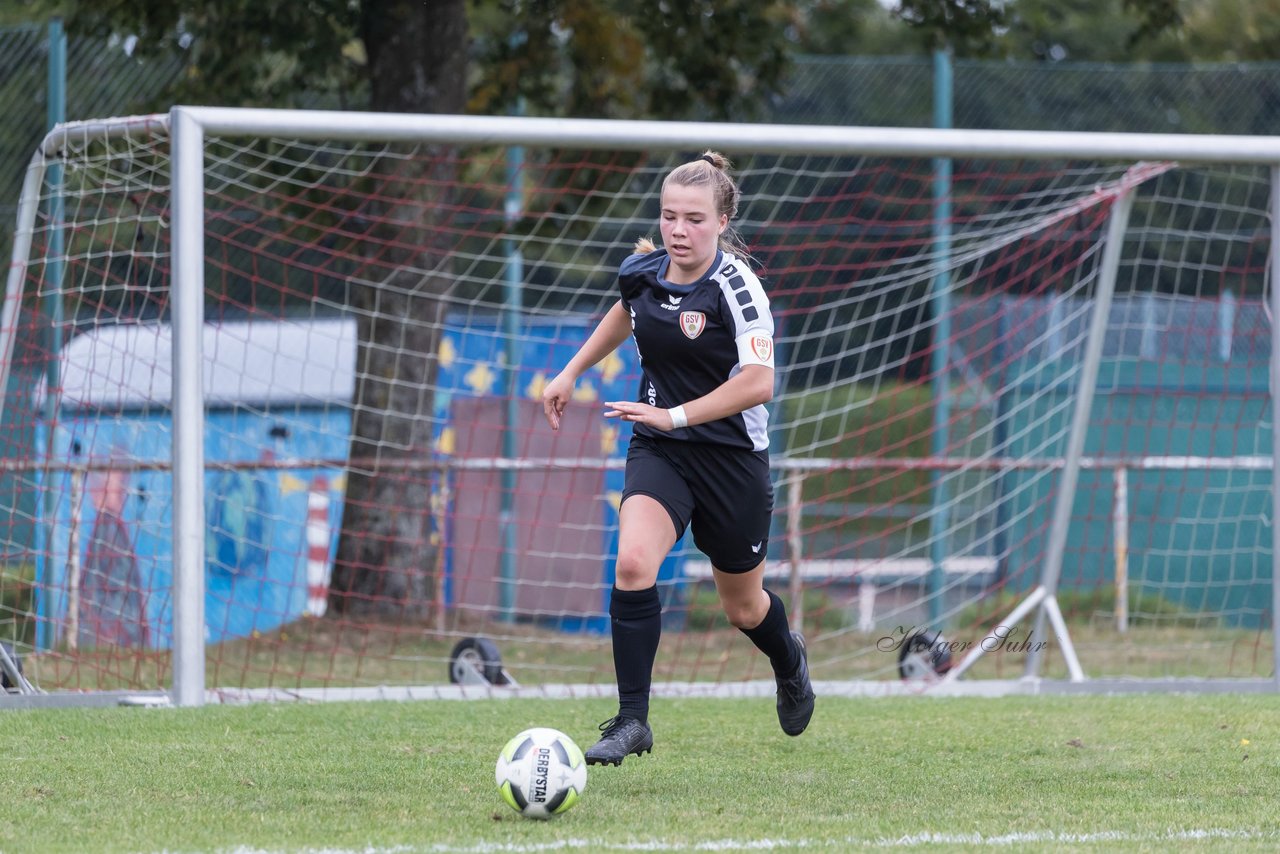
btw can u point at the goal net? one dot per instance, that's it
(1015, 381)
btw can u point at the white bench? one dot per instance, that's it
(867, 572)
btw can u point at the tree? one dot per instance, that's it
(410, 56)
(969, 27)
(612, 58)
(850, 28)
(1232, 30)
(238, 52)
(1091, 30)
(1043, 29)
(598, 57)
(416, 62)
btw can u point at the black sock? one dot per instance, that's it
(773, 637)
(637, 626)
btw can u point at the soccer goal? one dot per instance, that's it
(272, 382)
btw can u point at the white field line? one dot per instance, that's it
(914, 840)
(992, 688)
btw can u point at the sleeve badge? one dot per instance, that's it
(762, 346)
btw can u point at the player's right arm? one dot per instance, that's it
(610, 332)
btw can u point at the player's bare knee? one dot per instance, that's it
(634, 571)
(742, 615)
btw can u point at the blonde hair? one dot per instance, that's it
(711, 168)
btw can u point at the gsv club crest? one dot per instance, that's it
(692, 323)
(762, 347)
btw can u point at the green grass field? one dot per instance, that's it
(1101, 773)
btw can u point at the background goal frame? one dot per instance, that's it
(189, 127)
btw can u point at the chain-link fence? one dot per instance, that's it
(1225, 98)
(24, 64)
(103, 79)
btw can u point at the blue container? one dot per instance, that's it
(275, 391)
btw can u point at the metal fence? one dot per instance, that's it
(1223, 98)
(24, 55)
(106, 79)
(103, 79)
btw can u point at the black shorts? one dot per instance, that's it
(722, 494)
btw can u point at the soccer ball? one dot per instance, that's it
(541, 773)
(924, 656)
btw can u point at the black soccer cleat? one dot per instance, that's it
(622, 737)
(795, 694)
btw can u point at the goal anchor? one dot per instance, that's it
(11, 678)
(1048, 604)
(1045, 595)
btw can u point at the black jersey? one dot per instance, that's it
(691, 338)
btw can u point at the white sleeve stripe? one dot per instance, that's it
(745, 298)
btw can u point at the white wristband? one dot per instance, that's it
(678, 418)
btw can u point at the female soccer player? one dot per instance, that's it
(699, 449)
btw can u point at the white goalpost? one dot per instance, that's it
(272, 382)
